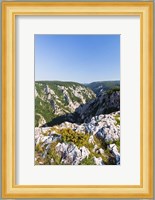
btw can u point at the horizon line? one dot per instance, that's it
(76, 81)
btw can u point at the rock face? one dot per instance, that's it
(55, 98)
(70, 154)
(44, 136)
(103, 104)
(114, 150)
(98, 161)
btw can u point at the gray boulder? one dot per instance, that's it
(98, 161)
(70, 154)
(115, 153)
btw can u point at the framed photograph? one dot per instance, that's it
(77, 104)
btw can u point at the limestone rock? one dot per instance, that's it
(116, 154)
(98, 161)
(70, 153)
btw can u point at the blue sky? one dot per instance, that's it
(78, 58)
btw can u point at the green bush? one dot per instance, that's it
(79, 139)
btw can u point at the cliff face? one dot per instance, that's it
(104, 103)
(54, 98)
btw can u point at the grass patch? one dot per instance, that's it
(117, 118)
(38, 148)
(51, 154)
(118, 144)
(88, 161)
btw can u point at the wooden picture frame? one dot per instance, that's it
(9, 12)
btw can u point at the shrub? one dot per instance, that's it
(79, 139)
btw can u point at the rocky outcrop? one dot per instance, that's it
(102, 136)
(70, 154)
(105, 127)
(98, 161)
(45, 136)
(116, 154)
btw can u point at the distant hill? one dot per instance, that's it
(102, 86)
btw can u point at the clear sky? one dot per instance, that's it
(78, 58)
